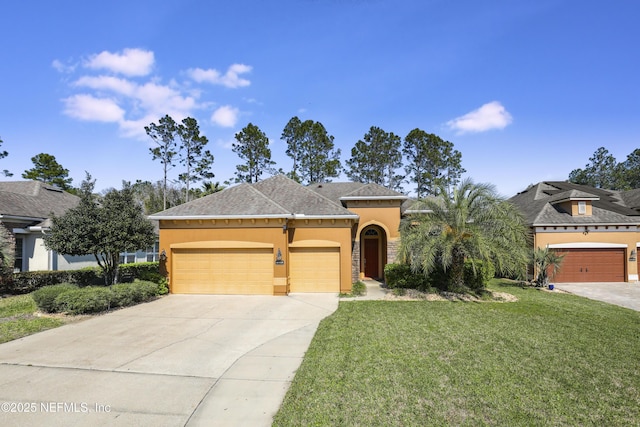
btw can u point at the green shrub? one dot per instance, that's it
(89, 276)
(87, 300)
(149, 271)
(401, 276)
(45, 297)
(479, 278)
(125, 294)
(358, 289)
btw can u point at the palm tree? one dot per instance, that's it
(473, 223)
(546, 264)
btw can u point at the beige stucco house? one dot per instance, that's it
(597, 230)
(277, 236)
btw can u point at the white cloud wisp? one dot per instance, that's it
(489, 116)
(131, 62)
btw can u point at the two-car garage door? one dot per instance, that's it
(223, 271)
(591, 265)
(251, 270)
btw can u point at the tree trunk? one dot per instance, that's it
(457, 271)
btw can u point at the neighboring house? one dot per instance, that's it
(26, 208)
(597, 230)
(277, 236)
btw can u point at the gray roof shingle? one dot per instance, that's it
(275, 196)
(34, 199)
(540, 205)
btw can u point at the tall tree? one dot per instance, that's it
(4, 154)
(473, 223)
(602, 171)
(152, 195)
(192, 154)
(312, 151)
(630, 169)
(164, 135)
(102, 228)
(48, 170)
(432, 163)
(253, 147)
(376, 158)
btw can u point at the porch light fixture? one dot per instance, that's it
(633, 255)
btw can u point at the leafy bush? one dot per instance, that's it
(358, 289)
(479, 278)
(29, 281)
(149, 271)
(125, 294)
(401, 276)
(45, 297)
(87, 300)
(94, 299)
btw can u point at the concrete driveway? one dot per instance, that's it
(181, 360)
(622, 294)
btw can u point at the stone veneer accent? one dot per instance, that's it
(392, 250)
(355, 261)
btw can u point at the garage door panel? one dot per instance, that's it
(223, 271)
(591, 265)
(314, 269)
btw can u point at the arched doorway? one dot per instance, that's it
(373, 246)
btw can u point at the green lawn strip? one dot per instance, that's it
(17, 318)
(548, 359)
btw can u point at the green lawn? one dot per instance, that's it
(548, 359)
(17, 318)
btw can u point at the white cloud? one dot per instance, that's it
(131, 62)
(110, 94)
(225, 116)
(90, 108)
(230, 79)
(164, 100)
(490, 116)
(62, 68)
(115, 84)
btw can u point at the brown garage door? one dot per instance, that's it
(222, 271)
(591, 265)
(314, 269)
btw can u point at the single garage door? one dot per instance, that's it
(314, 269)
(222, 271)
(591, 265)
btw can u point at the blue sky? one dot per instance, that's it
(526, 90)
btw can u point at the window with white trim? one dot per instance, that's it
(127, 257)
(152, 252)
(18, 255)
(582, 208)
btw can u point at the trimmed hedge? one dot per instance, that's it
(45, 297)
(94, 299)
(91, 299)
(29, 281)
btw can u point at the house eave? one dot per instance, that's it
(217, 217)
(223, 217)
(347, 198)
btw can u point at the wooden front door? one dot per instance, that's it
(371, 258)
